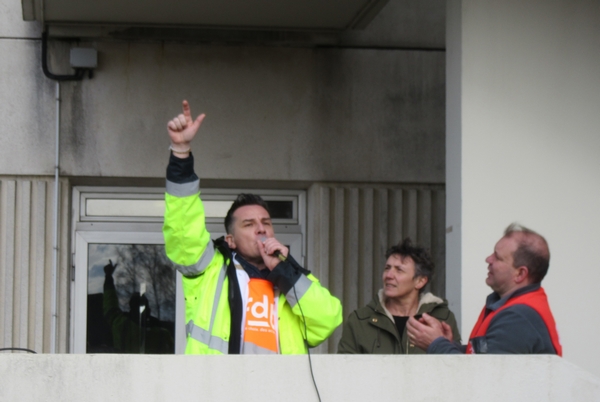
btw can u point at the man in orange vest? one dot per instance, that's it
(516, 317)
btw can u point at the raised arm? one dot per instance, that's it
(187, 242)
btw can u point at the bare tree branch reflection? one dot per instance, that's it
(146, 264)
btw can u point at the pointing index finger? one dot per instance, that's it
(186, 111)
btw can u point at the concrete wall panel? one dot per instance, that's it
(403, 23)
(272, 113)
(133, 378)
(530, 145)
(12, 24)
(27, 135)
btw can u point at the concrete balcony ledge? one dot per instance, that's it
(27, 377)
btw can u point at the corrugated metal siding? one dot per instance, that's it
(351, 227)
(26, 224)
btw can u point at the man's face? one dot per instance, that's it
(501, 271)
(399, 278)
(250, 222)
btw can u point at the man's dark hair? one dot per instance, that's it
(532, 251)
(423, 263)
(241, 201)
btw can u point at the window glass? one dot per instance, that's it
(281, 209)
(124, 207)
(130, 299)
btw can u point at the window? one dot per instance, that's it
(126, 296)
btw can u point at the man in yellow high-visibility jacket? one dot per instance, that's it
(244, 293)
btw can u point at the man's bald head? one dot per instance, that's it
(532, 251)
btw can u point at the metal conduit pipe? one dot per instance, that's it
(54, 277)
(78, 76)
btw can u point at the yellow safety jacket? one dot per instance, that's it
(206, 286)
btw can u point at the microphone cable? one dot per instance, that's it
(283, 258)
(305, 338)
(19, 349)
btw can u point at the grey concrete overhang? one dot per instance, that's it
(283, 15)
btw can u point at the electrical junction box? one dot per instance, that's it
(83, 57)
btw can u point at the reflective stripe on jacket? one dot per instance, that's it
(206, 286)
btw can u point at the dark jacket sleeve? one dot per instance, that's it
(442, 346)
(181, 170)
(284, 276)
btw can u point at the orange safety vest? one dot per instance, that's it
(260, 328)
(537, 300)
